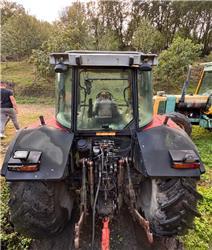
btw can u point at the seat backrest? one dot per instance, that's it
(105, 109)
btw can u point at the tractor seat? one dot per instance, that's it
(104, 109)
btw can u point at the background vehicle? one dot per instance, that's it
(197, 107)
(103, 151)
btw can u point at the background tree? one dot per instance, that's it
(146, 38)
(109, 19)
(173, 64)
(106, 25)
(71, 32)
(9, 9)
(21, 34)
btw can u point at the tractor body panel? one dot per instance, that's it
(54, 146)
(155, 146)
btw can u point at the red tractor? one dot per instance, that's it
(103, 150)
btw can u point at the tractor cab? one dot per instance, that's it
(205, 83)
(98, 91)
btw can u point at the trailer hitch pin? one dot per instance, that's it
(105, 234)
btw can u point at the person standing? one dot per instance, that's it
(8, 109)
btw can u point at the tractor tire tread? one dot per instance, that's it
(174, 205)
(190, 209)
(182, 121)
(39, 210)
(172, 201)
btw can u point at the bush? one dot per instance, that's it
(174, 62)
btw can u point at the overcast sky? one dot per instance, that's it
(47, 10)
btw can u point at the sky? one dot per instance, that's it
(45, 10)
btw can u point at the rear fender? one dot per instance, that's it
(54, 144)
(152, 153)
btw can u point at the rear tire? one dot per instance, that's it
(40, 209)
(169, 204)
(182, 121)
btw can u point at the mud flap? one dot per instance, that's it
(153, 152)
(55, 146)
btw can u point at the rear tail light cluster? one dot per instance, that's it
(184, 159)
(25, 161)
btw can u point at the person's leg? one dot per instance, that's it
(4, 119)
(13, 117)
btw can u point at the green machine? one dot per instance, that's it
(196, 108)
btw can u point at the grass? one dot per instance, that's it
(18, 72)
(200, 238)
(37, 100)
(28, 88)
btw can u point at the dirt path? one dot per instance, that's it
(124, 235)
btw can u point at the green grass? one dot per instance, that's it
(28, 88)
(200, 238)
(18, 72)
(35, 100)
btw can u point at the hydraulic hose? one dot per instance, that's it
(95, 201)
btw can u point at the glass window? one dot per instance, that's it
(63, 98)
(104, 99)
(145, 97)
(206, 87)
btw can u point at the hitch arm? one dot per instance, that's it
(133, 210)
(83, 207)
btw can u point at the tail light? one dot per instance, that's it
(25, 161)
(184, 159)
(24, 168)
(183, 165)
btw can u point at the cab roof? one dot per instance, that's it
(208, 66)
(102, 58)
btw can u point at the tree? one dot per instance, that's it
(173, 63)
(146, 38)
(21, 34)
(70, 33)
(190, 19)
(108, 23)
(9, 9)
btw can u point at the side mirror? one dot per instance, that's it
(60, 68)
(145, 67)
